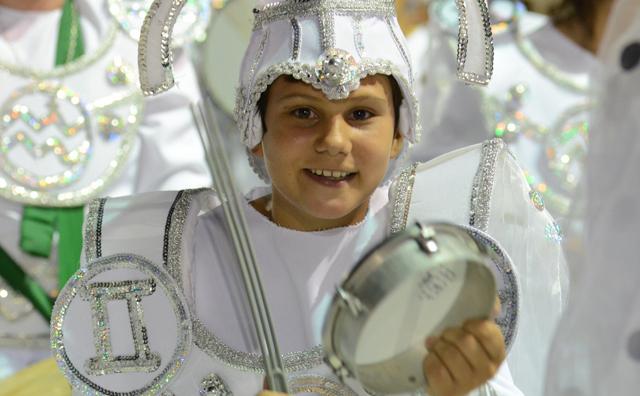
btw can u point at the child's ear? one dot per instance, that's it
(258, 151)
(398, 143)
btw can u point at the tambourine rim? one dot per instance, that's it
(334, 311)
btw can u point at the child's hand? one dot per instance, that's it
(462, 359)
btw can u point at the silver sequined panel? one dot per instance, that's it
(157, 370)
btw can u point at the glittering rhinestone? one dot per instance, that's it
(554, 233)
(537, 199)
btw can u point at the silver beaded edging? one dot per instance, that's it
(295, 43)
(215, 348)
(463, 42)
(483, 182)
(400, 47)
(166, 52)
(401, 192)
(77, 283)
(318, 385)
(172, 246)
(357, 36)
(68, 68)
(509, 293)
(92, 239)
(287, 9)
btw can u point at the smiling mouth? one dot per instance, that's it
(330, 175)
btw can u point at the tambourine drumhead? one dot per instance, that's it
(227, 38)
(413, 285)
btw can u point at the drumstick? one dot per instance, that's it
(156, 75)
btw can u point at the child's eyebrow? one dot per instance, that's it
(297, 95)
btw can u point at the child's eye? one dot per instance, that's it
(361, 115)
(303, 113)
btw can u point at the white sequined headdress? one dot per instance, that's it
(332, 45)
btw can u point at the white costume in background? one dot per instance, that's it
(300, 271)
(537, 101)
(597, 347)
(135, 144)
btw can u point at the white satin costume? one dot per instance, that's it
(158, 305)
(596, 350)
(537, 101)
(124, 144)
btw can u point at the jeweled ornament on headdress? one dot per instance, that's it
(338, 74)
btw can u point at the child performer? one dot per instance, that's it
(326, 106)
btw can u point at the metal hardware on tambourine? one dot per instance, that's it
(425, 239)
(338, 367)
(351, 302)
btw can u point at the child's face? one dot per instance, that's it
(325, 158)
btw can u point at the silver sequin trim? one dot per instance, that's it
(401, 48)
(92, 239)
(213, 385)
(214, 347)
(401, 191)
(256, 62)
(204, 339)
(287, 9)
(166, 52)
(75, 286)
(509, 293)
(326, 21)
(357, 36)
(295, 43)
(172, 248)
(483, 184)
(68, 68)
(463, 43)
(318, 385)
(131, 291)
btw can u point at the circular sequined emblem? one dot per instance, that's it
(45, 137)
(536, 199)
(58, 150)
(121, 327)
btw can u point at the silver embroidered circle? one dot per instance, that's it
(121, 280)
(58, 150)
(46, 137)
(338, 73)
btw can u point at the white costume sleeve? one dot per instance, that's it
(529, 234)
(171, 154)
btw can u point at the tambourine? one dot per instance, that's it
(413, 285)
